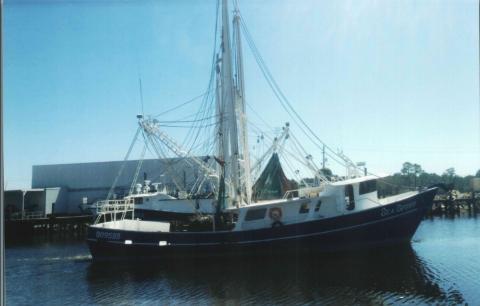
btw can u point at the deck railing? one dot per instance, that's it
(27, 215)
(113, 208)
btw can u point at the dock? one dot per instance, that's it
(52, 223)
(448, 204)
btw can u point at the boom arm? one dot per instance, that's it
(151, 127)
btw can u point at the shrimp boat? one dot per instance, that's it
(334, 214)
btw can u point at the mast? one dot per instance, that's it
(232, 128)
(240, 99)
(231, 154)
(219, 113)
(222, 145)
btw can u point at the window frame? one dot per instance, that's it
(253, 214)
(367, 187)
(304, 208)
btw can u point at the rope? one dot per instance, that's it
(183, 104)
(137, 171)
(190, 139)
(282, 98)
(110, 192)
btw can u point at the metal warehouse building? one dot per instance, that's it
(89, 182)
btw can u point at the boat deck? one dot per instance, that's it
(136, 225)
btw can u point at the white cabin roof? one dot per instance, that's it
(356, 180)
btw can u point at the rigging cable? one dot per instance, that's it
(159, 152)
(210, 87)
(183, 104)
(137, 171)
(283, 100)
(110, 192)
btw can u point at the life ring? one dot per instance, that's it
(275, 213)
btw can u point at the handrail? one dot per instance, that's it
(114, 207)
(26, 215)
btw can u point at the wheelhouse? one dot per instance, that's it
(331, 200)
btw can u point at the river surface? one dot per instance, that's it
(441, 266)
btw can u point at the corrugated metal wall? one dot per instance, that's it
(93, 180)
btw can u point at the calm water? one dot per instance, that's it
(442, 266)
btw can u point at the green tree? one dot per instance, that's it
(450, 172)
(410, 171)
(406, 168)
(326, 172)
(449, 175)
(417, 171)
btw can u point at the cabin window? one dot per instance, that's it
(317, 207)
(255, 214)
(138, 200)
(349, 198)
(368, 186)
(304, 208)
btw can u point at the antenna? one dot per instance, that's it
(141, 93)
(323, 157)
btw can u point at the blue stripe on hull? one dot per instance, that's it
(388, 224)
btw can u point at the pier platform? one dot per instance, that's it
(51, 223)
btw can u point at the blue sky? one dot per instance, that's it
(385, 81)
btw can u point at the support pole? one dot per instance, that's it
(2, 203)
(23, 204)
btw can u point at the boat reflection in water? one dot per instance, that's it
(386, 275)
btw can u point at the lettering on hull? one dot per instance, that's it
(107, 235)
(399, 208)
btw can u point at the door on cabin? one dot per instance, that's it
(349, 197)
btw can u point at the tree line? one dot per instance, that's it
(412, 176)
